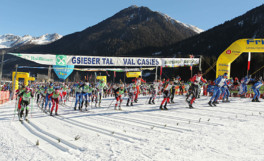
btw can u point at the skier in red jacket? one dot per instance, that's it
(138, 83)
(193, 90)
(55, 100)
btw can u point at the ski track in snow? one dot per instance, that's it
(230, 131)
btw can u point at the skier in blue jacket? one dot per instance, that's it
(225, 90)
(219, 83)
(78, 94)
(48, 100)
(256, 88)
(243, 86)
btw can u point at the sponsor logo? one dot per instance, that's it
(233, 52)
(257, 42)
(34, 58)
(60, 73)
(61, 59)
(222, 70)
(225, 65)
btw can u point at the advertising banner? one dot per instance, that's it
(179, 62)
(45, 59)
(112, 61)
(133, 74)
(62, 60)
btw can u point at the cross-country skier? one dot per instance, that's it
(37, 91)
(176, 82)
(55, 100)
(49, 91)
(64, 93)
(118, 96)
(243, 86)
(105, 89)
(138, 83)
(78, 92)
(166, 94)
(255, 88)
(219, 82)
(225, 90)
(100, 86)
(26, 96)
(144, 89)
(18, 92)
(87, 93)
(181, 91)
(154, 89)
(193, 89)
(131, 93)
(43, 96)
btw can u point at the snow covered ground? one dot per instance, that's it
(231, 131)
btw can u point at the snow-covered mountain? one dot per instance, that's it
(13, 41)
(176, 22)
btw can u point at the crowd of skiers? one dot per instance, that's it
(85, 93)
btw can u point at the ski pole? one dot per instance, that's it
(158, 96)
(31, 107)
(111, 103)
(73, 98)
(146, 102)
(16, 106)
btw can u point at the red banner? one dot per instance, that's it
(160, 71)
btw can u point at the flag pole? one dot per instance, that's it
(249, 58)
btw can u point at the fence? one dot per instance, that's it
(4, 96)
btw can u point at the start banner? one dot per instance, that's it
(179, 62)
(62, 60)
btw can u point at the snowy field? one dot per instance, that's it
(231, 131)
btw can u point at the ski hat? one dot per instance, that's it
(27, 89)
(121, 85)
(57, 90)
(225, 75)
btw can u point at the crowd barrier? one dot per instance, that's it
(234, 92)
(4, 96)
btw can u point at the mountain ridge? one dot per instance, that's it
(131, 31)
(14, 41)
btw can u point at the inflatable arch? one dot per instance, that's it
(238, 47)
(23, 75)
(102, 77)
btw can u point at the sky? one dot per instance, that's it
(38, 17)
